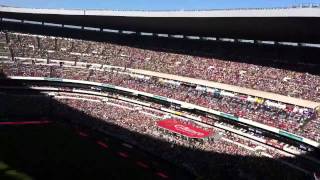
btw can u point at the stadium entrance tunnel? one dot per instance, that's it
(80, 145)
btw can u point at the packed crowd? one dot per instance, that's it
(158, 111)
(290, 83)
(297, 120)
(135, 120)
(138, 130)
(140, 120)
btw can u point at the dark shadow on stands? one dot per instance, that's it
(302, 59)
(214, 165)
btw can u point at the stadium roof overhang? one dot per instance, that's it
(282, 25)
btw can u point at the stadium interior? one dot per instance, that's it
(89, 104)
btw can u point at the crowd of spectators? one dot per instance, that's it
(140, 119)
(297, 120)
(286, 82)
(133, 119)
(107, 107)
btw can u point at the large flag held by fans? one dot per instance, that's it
(188, 130)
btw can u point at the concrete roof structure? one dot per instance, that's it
(282, 25)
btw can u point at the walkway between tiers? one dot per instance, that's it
(242, 90)
(212, 84)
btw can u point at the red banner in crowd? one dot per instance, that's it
(187, 130)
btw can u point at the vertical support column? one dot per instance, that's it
(72, 46)
(12, 53)
(39, 42)
(56, 44)
(19, 39)
(75, 61)
(7, 37)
